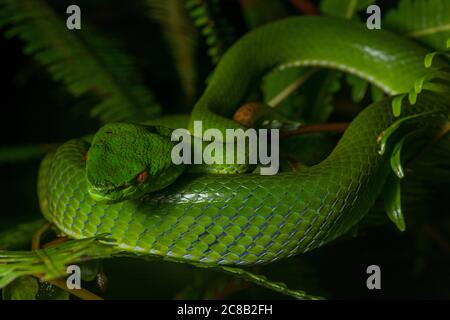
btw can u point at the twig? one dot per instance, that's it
(305, 6)
(294, 163)
(441, 134)
(55, 242)
(80, 293)
(36, 241)
(233, 286)
(338, 127)
(434, 141)
(436, 237)
(291, 88)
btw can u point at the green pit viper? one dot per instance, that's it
(242, 219)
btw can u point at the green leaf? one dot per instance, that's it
(376, 93)
(392, 202)
(19, 235)
(344, 8)
(359, 87)
(429, 59)
(386, 134)
(85, 61)
(397, 153)
(397, 104)
(427, 21)
(90, 270)
(23, 288)
(396, 161)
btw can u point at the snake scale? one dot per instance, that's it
(245, 219)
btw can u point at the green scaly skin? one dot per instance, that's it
(248, 219)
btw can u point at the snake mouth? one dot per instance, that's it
(111, 195)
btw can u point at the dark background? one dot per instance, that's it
(35, 109)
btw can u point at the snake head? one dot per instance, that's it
(126, 161)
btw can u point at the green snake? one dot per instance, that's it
(166, 211)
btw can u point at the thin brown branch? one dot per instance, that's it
(248, 4)
(306, 7)
(80, 293)
(442, 134)
(36, 241)
(294, 163)
(338, 127)
(55, 242)
(233, 286)
(436, 237)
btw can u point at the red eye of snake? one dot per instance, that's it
(85, 156)
(142, 177)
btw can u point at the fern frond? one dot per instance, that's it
(85, 61)
(436, 79)
(427, 21)
(182, 38)
(218, 33)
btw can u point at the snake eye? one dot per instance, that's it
(142, 177)
(85, 156)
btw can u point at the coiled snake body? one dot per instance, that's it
(244, 219)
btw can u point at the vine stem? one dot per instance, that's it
(36, 240)
(291, 88)
(338, 127)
